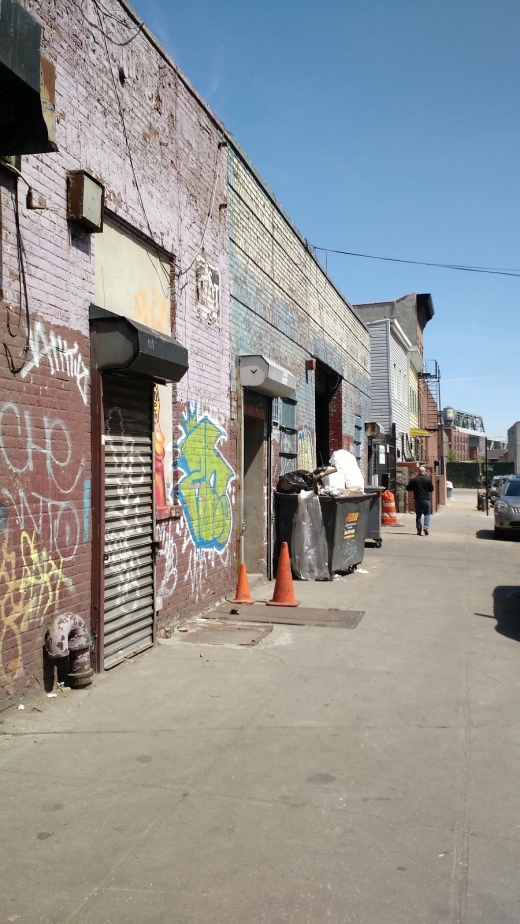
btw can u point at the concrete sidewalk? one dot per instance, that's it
(366, 776)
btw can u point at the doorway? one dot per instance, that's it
(255, 524)
(128, 597)
(328, 404)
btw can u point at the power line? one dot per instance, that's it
(491, 271)
(129, 150)
(14, 366)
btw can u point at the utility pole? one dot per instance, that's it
(486, 477)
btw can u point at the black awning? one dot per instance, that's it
(124, 345)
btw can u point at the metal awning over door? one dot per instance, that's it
(129, 518)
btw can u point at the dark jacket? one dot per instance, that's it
(421, 486)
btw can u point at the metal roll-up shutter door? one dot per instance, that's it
(129, 518)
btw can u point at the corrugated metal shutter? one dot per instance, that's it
(129, 518)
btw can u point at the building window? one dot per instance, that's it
(358, 438)
(284, 414)
(413, 401)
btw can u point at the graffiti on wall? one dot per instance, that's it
(205, 485)
(305, 449)
(40, 474)
(127, 474)
(208, 291)
(163, 449)
(151, 309)
(54, 349)
(168, 553)
(32, 582)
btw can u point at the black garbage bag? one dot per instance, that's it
(294, 482)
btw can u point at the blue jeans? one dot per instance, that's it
(422, 506)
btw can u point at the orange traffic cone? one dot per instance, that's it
(283, 589)
(243, 594)
(388, 516)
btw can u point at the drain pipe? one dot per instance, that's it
(67, 637)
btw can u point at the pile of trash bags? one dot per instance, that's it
(309, 554)
(341, 478)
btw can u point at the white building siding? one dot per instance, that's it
(399, 379)
(413, 397)
(380, 373)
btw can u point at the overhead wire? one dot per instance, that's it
(99, 10)
(16, 366)
(492, 271)
(103, 9)
(208, 216)
(93, 25)
(127, 143)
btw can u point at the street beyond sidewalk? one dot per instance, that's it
(350, 776)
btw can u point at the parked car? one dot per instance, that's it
(496, 487)
(507, 507)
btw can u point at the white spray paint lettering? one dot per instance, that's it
(169, 554)
(60, 356)
(128, 564)
(54, 432)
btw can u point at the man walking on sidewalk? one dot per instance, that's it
(421, 486)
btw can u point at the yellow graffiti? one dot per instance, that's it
(31, 586)
(305, 450)
(152, 310)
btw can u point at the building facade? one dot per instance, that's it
(466, 437)
(389, 374)
(286, 311)
(126, 429)
(413, 312)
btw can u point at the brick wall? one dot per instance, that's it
(116, 91)
(284, 306)
(181, 174)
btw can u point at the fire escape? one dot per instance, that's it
(430, 396)
(430, 415)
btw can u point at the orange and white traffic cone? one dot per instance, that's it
(283, 589)
(243, 594)
(388, 515)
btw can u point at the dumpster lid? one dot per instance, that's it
(264, 375)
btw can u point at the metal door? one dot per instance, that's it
(128, 598)
(382, 459)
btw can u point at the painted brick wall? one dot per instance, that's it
(181, 172)
(282, 300)
(284, 306)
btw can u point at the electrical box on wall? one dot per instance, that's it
(85, 200)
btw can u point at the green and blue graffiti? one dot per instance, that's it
(203, 489)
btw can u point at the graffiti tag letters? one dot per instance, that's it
(60, 356)
(203, 489)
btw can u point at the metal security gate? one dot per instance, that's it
(128, 598)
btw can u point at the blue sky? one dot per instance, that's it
(387, 128)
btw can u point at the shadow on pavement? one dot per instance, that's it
(490, 534)
(506, 611)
